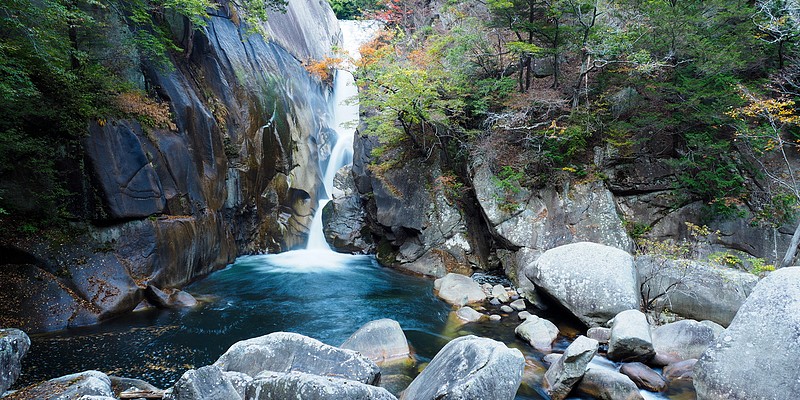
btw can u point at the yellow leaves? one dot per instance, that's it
(321, 69)
(149, 112)
(782, 110)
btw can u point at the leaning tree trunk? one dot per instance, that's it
(788, 258)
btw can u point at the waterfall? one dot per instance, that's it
(343, 118)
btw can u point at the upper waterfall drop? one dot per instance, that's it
(343, 118)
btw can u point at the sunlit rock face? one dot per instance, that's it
(235, 171)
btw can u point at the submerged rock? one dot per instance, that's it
(538, 332)
(300, 386)
(380, 340)
(593, 281)
(459, 290)
(569, 368)
(14, 344)
(206, 383)
(757, 356)
(286, 352)
(469, 368)
(75, 386)
(630, 337)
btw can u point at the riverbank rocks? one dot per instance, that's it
(538, 332)
(686, 338)
(630, 337)
(204, 383)
(459, 290)
(499, 292)
(593, 281)
(297, 385)
(601, 334)
(469, 367)
(285, 352)
(518, 305)
(606, 384)
(569, 368)
(14, 344)
(643, 376)
(380, 340)
(74, 386)
(680, 370)
(757, 356)
(699, 291)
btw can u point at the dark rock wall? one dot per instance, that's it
(236, 174)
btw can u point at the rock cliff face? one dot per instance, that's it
(236, 173)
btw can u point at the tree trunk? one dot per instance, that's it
(788, 258)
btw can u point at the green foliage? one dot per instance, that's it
(636, 230)
(507, 182)
(352, 9)
(725, 259)
(759, 266)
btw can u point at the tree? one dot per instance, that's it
(779, 21)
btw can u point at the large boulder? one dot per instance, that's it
(286, 352)
(538, 332)
(206, 383)
(569, 368)
(467, 368)
(380, 340)
(344, 219)
(300, 386)
(459, 290)
(606, 384)
(75, 386)
(14, 343)
(757, 356)
(593, 281)
(686, 338)
(630, 337)
(693, 289)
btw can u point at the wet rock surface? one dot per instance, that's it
(297, 385)
(459, 290)
(14, 344)
(569, 368)
(75, 386)
(380, 340)
(630, 337)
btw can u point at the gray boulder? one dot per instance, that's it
(606, 384)
(518, 305)
(643, 376)
(468, 314)
(593, 281)
(757, 356)
(206, 383)
(75, 386)
(630, 337)
(686, 338)
(569, 368)
(538, 332)
(506, 309)
(240, 382)
(698, 290)
(469, 368)
(523, 315)
(499, 292)
(459, 290)
(286, 352)
(14, 344)
(380, 340)
(300, 386)
(128, 385)
(602, 335)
